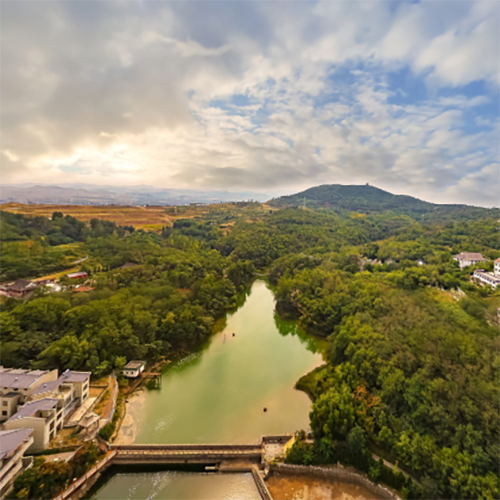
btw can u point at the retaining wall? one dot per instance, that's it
(337, 473)
(72, 490)
(261, 485)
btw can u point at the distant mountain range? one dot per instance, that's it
(370, 199)
(89, 194)
(355, 198)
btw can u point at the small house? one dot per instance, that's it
(20, 288)
(134, 368)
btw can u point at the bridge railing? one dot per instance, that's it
(185, 447)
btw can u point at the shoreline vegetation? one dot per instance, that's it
(412, 365)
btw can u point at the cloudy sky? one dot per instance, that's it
(273, 96)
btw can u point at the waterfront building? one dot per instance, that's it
(34, 398)
(13, 445)
(134, 368)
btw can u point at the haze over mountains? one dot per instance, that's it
(89, 194)
(356, 198)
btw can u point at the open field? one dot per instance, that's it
(151, 218)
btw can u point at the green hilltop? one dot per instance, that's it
(370, 199)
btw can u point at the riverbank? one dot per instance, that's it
(127, 432)
(329, 482)
(218, 393)
(305, 487)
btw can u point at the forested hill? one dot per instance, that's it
(368, 198)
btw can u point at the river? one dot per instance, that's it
(218, 395)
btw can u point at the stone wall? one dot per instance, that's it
(337, 473)
(261, 485)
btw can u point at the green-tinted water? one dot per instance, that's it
(218, 395)
(171, 485)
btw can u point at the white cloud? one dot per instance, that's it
(147, 93)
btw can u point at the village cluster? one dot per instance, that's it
(22, 288)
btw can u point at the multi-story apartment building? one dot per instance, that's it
(41, 401)
(13, 445)
(18, 385)
(44, 416)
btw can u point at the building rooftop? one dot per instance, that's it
(79, 274)
(11, 440)
(133, 365)
(490, 276)
(19, 379)
(48, 387)
(21, 285)
(128, 264)
(29, 409)
(67, 377)
(469, 256)
(70, 376)
(83, 288)
(11, 395)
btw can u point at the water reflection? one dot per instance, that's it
(311, 343)
(218, 394)
(174, 485)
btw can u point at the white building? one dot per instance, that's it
(484, 278)
(13, 445)
(469, 259)
(17, 386)
(40, 400)
(497, 267)
(134, 368)
(45, 417)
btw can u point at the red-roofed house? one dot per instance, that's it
(77, 275)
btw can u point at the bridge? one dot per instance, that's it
(215, 457)
(180, 454)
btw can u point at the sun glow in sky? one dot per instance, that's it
(273, 96)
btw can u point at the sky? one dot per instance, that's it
(271, 96)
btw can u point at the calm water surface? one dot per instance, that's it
(218, 394)
(171, 485)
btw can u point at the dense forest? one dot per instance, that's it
(413, 362)
(370, 199)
